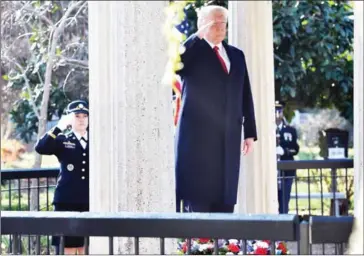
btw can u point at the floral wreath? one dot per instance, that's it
(205, 246)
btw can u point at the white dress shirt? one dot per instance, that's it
(280, 126)
(222, 52)
(78, 136)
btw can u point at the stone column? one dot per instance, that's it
(131, 121)
(251, 29)
(356, 240)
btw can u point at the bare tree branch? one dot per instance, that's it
(57, 28)
(81, 63)
(48, 74)
(30, 8)
(74, 18)
(29, 90)
(65, 81)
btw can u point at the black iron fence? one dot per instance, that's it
(318, 229)
(319, 187)
(28, 189)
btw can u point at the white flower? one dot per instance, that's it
(229, 253)
(195, 246)
(262, 244)
(203, 247)
(233, 241)
(210, 246)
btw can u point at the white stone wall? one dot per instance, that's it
(356, 240)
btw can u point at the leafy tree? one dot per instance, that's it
(44, 43)
(45, 60)
(313, 45)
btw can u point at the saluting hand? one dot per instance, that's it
(203, 29)
(65, 121)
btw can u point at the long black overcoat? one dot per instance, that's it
(215, 106)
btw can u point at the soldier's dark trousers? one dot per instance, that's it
(284, 194)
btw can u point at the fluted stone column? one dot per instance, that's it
(131, 122)
(356, 239)
(251, 29)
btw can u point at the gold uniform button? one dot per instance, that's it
(83, 177)
(84, 154)
(83, 170)
(83, 162)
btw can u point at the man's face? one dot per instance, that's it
(279, 115)
(79, 121)
(216, 33)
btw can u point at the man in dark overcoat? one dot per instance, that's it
(216, 103)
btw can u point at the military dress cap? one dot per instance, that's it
(77, 106)
(279, 104)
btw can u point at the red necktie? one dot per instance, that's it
(216, 49)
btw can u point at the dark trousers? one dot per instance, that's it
(190, 206)
(284, 194)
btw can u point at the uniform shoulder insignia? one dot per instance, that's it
(61, 135)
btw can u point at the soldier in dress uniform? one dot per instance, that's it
(72, 151)
(287, 148)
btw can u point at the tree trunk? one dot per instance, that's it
(42, 122)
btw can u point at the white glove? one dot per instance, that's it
(65, 121)
(280, 151)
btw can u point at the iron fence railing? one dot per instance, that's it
(328, 229)
(320, 188)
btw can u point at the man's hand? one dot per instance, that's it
(65, 121)
(203, 29)
(248, 146)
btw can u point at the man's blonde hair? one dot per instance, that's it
(205, 11)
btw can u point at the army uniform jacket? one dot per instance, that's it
(288, 141)
(73, 180)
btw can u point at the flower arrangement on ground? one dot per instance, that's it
(205, 246)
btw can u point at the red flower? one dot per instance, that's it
(261, 251)
(233, 248)
(204, 240)
(184, 247)
(282, 248)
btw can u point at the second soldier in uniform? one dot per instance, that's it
(287, 148)
(72, 190)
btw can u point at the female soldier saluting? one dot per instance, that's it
(72, 190)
